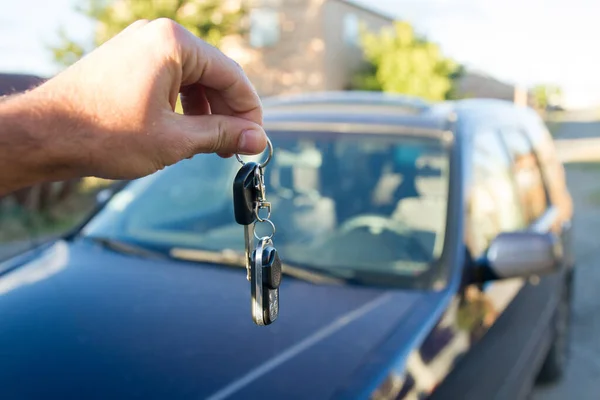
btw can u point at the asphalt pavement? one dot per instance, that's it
(582, 379)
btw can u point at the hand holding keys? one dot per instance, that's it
(262, 263)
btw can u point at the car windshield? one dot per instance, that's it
(350, 205)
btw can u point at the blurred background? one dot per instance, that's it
(536, 53)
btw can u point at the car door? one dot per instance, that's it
(507, 194)
(493, 208)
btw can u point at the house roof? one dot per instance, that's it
(363, 8)
(15, 83)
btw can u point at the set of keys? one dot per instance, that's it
(263, 265)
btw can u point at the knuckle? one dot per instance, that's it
(164, 23)
(167, 32)
(218, 141)
(142, 22)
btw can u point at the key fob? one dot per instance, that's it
(265, 280)
(245, 194)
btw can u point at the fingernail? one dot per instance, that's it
(251, 142)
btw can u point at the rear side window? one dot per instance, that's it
(552, 168)
(494, 205)
(527, 174)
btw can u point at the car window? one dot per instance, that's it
(351, 203)
(552, 168)
(494, 205)
(527, 173)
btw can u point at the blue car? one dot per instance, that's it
(426, 253)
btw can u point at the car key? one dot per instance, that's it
(266, 278)
(245, 195)
(263, 265)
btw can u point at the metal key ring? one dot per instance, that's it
(264, 164)
(266, 237)
(257, 213)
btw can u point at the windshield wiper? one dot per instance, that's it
(126, 247)
(226, 257)
(233, 259)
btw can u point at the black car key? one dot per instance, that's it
(245, 196)
(265, 280)
(263, 265)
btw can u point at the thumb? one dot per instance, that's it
(221, 134)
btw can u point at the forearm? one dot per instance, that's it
(28, 155)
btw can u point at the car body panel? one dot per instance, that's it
(143, 327)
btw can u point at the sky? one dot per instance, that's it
(523, 42)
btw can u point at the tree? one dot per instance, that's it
(399, 61)
(547, 95)
(209, 19)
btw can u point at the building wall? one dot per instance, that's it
(479, 85)
(295, 63)
(312, 52)
(343, 56)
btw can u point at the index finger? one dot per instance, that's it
(205, 64)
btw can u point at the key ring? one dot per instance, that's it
(257, 212)
(264, 164)
(272, 233)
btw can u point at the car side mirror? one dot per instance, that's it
(521, 255)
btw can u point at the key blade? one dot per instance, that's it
(249, 247)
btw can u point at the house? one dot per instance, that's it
(294, 46)
(481, 85)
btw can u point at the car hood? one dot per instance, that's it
(79, 320)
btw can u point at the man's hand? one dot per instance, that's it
(111, 114)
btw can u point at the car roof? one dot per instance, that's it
(322, 109)
(353, 107)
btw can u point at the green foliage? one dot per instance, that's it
(401, 62)
(69, 51)
(207, 19)
(547, 95)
